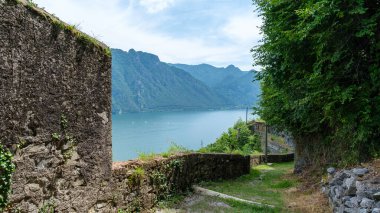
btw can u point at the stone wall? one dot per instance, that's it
(55, 104)
(139, 185)
(354, 190)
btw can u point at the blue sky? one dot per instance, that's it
(217, 32)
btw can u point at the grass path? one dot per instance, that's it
(272, 184)
(264, 184)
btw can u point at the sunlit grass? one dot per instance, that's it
(264, 184)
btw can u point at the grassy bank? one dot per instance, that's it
(272, 184)
(265, 184)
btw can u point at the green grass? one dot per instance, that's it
(264, 184)
(174, 149)
(276, 138)
(208, 204)
(171, 201)
(147, 156)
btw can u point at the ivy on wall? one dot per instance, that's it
(6, 170)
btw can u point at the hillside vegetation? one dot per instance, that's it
(141, 82)
(239, 139)
(321, 77)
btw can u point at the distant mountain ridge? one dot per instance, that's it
(141, 82)
(231, 83)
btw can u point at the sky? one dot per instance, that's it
(216, 32)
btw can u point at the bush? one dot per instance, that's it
(6, 170)
(238, 140)
(320, 77)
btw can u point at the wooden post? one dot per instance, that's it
(246, 116)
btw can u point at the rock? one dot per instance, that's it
(346, 198)
(325, 190)
(377, 205)
(355, 201)
(367, 203)
(338, 178)
(351, 210)
(339, 192)
(376, 196)
(376, 210)
(360, 187)
(360, 171)
(363, 211)
(350, 185)
(349, 204)
(349, 173)
(331, 170)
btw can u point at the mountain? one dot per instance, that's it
(231, 83)
(141, 82)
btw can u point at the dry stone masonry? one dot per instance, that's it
(353, 191)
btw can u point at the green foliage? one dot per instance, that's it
(175, 149)
(160, 184)
(175, 164)
(6, 170)
(64, 122)
(64, 141)
(31, 3)
(48, 207)
(136, 176)
(238, 140)
(147, 156)
(321, 71)
(55, 136)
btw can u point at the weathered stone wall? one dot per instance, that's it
(55, 104)
(139, 185)
(354, 190)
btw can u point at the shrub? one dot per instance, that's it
(6, 170)
(238, 140)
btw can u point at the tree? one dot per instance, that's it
(238, 139)
(321, 77)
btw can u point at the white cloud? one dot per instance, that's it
(243, 28)
(154, 6)
(122, 26)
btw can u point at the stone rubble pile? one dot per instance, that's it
(353, 191)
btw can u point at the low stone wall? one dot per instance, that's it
(272, 158)
(355, 190)
(137, 185)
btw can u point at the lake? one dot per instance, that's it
(147, 132)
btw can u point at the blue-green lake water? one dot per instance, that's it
(148, 132)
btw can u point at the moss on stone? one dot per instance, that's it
(82, 37)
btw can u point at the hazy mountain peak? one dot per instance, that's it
(232, 67)
(140, 82)
(144, 56)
